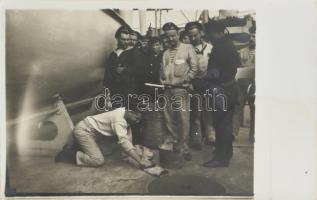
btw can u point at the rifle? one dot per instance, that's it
(164, 86)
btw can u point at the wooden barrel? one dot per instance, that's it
(153, 128)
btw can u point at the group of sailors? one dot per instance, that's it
(192, 61)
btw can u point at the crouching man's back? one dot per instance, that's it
(113, 123)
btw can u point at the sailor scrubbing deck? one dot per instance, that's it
(113, 123)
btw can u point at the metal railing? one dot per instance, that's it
(51, 111)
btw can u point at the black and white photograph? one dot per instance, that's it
(133, 100)
(154, 101)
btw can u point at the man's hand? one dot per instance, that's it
(146, 163)
(120, 69)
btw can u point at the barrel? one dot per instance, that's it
(152, 128)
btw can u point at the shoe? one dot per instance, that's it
(67, 155)
(215, 163)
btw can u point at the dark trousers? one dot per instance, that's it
(222, 117)
(224, 134)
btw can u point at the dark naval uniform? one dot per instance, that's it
(153, 74)
(130, 80)
(222, 68)
(126, 83)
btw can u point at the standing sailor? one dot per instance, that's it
(179, 67)
(222, 68)
(201, 119)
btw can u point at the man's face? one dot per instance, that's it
(133, 40)
(172, 38)
(165, 43)
(144, 43)
(123, 41)
(194, 36)
(132, 117)
(156, 47)
(186, 39)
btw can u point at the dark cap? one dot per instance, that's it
(122, 29)
(192, 25)
(170, 26)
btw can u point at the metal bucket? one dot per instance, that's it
(171, 160)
